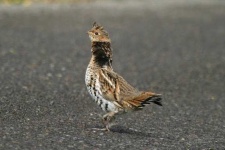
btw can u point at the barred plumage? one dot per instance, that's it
(109, 90)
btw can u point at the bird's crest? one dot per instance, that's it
(96, 26)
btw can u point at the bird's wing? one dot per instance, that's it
(114, 87)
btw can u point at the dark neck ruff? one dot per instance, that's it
(102, 53)
(100, 45)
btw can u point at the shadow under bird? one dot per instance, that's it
(110, 90)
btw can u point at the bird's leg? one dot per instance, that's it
(107, 119)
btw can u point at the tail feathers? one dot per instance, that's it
(154, 99)
(145, 98)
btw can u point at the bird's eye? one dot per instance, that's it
(96, 33)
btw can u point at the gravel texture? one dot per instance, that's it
(173, 48)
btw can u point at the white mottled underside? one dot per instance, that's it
(94, 89)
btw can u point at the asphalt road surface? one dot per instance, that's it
(173, 48)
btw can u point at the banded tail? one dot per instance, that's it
(145, 98)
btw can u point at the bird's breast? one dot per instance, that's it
(94, 89)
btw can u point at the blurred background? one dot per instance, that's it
(172, 47)
(29, 2)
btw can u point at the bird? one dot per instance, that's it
(110, 90)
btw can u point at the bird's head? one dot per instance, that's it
(98, 34)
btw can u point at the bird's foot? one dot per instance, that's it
(107, 127)
(101, 129)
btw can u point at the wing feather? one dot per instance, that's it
(114, 87)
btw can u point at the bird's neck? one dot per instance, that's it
(102, 54)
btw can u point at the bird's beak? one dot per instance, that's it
(89, 32)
